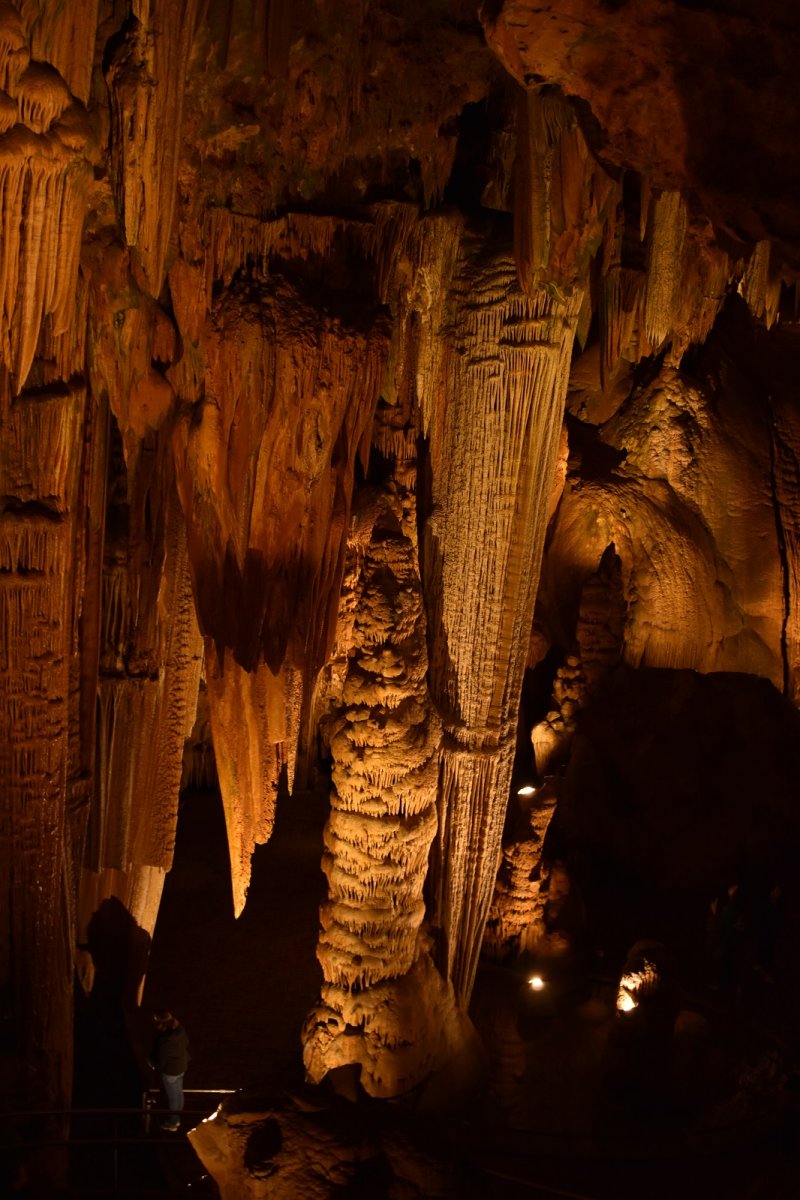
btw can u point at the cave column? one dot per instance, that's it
(494, 423)
(40, 583)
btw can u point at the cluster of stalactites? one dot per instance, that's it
(265, 478)
(43, 190)
(392, 238)
(663, 279)
(661, 276)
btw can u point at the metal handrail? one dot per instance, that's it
(112, 1141)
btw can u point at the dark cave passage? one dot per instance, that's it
(241, 987)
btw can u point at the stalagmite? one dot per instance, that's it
(515, 925)
(383, 1005)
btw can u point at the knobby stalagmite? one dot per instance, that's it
(383, 1005)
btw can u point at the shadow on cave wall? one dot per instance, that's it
(241, 986)
(106, 1065)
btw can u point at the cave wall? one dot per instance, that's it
(234, 235)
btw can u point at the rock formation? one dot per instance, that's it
(293, 299)
(379, 976)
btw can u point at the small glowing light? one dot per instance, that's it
(527, 790)
(625, 1001)
(536, 982)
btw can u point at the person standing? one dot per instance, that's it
(169, 1055)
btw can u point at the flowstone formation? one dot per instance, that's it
(293, 299)
(700, 462)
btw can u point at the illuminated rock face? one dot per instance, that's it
(231, 235)
(292, 1148)
(692, 482)
(384, 747)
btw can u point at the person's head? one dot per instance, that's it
(163, 1019)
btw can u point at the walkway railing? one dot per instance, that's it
(114, 1152)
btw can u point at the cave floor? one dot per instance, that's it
(705, 1104)
(549, 1124)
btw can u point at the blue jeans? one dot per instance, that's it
(173, 1086)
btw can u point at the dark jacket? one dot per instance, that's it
(170, 1052)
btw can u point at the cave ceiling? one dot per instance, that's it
(327, 331)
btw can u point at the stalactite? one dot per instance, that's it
(235, 241)
(146, 81)
(760, 289)
(42, 96)
(670, 299)
(144, 721)
(255, 718)
(43, 195)
(126, 354)
(14, 47)
(150, 647)
(663, 268)
(562, 195)
(621, 292)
